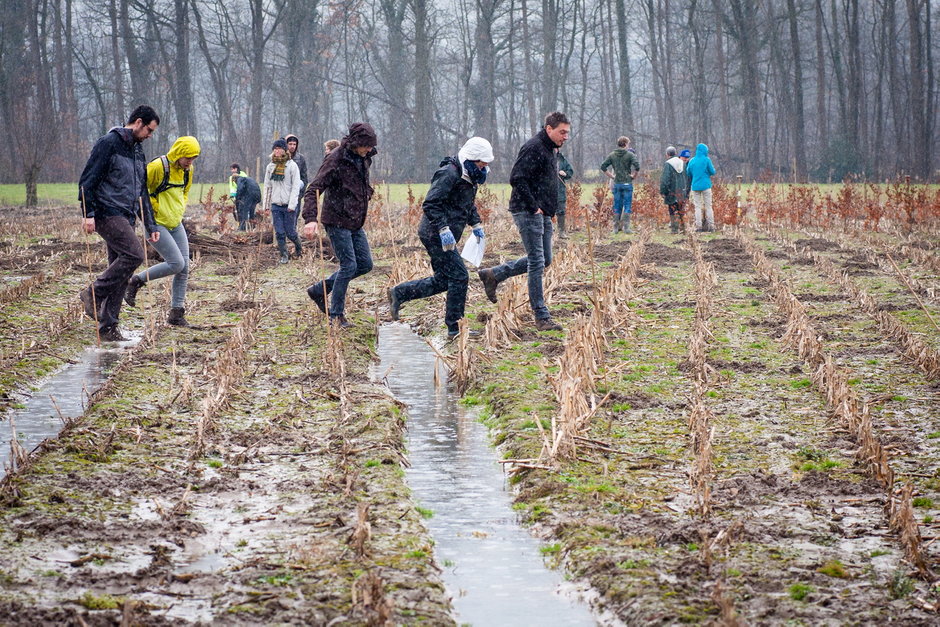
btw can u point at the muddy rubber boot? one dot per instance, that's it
(673, 225)
(562, 233)
(130, 294)
(626, 223)
(617, 217)
(298, 248)
(282, 247)
(177, 317)
(111, 334)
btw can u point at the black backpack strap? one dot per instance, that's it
(165, 184)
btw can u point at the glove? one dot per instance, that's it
(478, 231)
(447, 239)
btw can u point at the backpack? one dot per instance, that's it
(165, 184)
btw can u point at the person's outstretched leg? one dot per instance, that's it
(339, 281)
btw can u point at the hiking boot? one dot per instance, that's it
(394, 303)
(130, 294)
(547, 324)
(340, 321)
(112, 334)
(315, 292)
(177, 317)
(88, 301)
(489, 283)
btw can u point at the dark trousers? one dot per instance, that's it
(246, 212)
(355, 259)
(677, 210)
(450, 274)
(125, 254)
(285, 223)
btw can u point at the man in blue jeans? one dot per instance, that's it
(344, 177)
(533, 203)
(625, 165)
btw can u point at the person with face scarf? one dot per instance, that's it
(448, 208)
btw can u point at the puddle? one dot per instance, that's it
(61, 396)
(492, 567)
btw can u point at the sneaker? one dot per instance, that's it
(130, 294)
(112, 334)
(340, 321)
(315, 292)
(489, 283)
(547, 324)
(394, 303)
(88, 301)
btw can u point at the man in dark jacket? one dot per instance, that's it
(448, 208)
(293, 145)
(625, 167)
(565, 172)
(247, 197)
(674, 187)
(343, 180)
(113, 193)
(533, 203)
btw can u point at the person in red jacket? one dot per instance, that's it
(343, 183)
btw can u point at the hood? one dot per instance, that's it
(620, 151)
(701, 150)
(361, 134)
(476, 149)
(295, 138)
(676, 163)
(124, 133)
(186, 146)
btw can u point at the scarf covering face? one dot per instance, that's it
(477, 175)
(280, 164)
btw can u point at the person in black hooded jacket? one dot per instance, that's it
(113, 193)
(343, 183)
(448, 209)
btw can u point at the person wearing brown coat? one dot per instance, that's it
(343, 184)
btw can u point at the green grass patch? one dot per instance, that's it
(922, 501)
(799, 591)
(833, 568)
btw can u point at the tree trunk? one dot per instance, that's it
(117, 61)
(920, 166)
(626, 92)
(797, 122)
(181, 72)
(424, 115)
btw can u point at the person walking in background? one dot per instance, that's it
(236, 173)
(448, 208)
(342, 183)
(246, 200)
(701, 170)
(625, 167)
(329, 146)
(532, 203)
(169, 178)
(282, 191)
(565, 172)
(674, 186)
(113, 192)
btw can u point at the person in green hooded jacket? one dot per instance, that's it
(625, 168)
(169, 179)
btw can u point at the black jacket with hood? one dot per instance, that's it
(534, 177)
(301, 162)
(344, 175)
(115, 177)
(449, 202)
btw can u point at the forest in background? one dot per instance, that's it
(790, 90)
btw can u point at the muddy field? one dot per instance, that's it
(734, 426)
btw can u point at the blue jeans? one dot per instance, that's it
(450, 274)
(285, 223)
(623, 198)
(536, 232)
(173, 246)
(355, 259)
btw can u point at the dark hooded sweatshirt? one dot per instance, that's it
(344, 176)
(115, 177)
(534, 177)
(301, 162)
